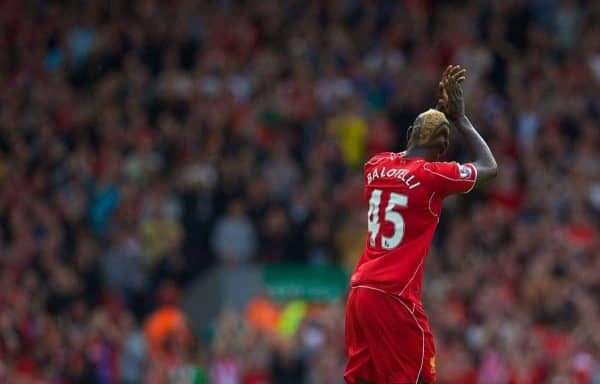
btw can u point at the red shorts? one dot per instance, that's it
(388, 340)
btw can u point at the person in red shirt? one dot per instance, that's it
(388, 339)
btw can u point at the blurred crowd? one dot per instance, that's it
(142, 142)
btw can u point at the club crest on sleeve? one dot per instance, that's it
(464, 171)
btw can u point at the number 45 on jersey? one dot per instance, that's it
(390, 215)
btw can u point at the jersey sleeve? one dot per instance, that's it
(451, 177)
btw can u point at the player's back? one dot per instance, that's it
(404, 198)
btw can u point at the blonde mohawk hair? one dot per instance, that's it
(432, 119)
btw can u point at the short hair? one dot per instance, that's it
(427, 131)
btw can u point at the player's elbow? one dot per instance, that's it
(493, 169)
(486, 172)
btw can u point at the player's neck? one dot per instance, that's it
(425, 153)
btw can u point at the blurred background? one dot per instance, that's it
(181, 191)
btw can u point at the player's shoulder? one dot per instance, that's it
(396, 158)
(449, 177)
(381, 157)
(447, 169)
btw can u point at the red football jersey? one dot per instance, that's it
(404, 197)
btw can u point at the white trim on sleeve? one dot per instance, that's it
(474, 178)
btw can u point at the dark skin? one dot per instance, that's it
(428, 152)
(484, 161)
(451, 103)
(432, 153)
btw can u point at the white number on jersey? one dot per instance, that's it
(390, 215)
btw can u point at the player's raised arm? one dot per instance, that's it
(484, 161)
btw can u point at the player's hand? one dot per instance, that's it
(457, 72)
(455, 105)
(442, 98)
